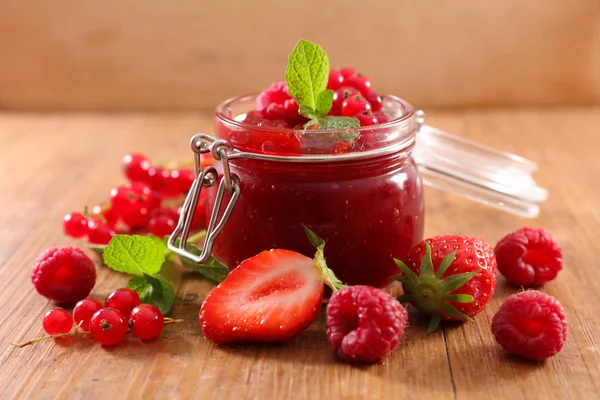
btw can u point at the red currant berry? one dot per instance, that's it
(57, 321)
(336, 79)
(143, 194)
(185, 179)
(340, 95)
(347, 72)
(137, 218)
(146, 321)
(106, 213)
(99, 233)
(161, 226)
(354, 105)
(122, 199)
(375, 100)
(135, 167)
(164, 181)
(108, 326)
(75, 225)
(362, 83)
(123, 299)
(381, 117)
(83, 311)
(366, 119)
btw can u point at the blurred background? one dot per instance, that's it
(190, 55)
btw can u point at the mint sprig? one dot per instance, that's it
(144, 257)
(326, 273)
(306, 76)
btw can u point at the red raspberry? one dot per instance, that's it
(364, 324)
(529, 257)
(277, 103)
(64, 274)
(531, 324)
(336, 79)
(382, 117)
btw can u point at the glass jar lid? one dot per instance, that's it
(494, 178)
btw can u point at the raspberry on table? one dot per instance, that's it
(64, 274)
(364, 323)
(531, 324)
(529, 257)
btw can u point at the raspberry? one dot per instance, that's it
(277, 103)
(135, 167)
(64, 274)
(146, 321)
(108, 326)
(336, 79)
(382, 117)
(362, 83)
(354, 105)
(57, 321)
(75, 225)
(531, 324)
(364, 324)
(529, 257)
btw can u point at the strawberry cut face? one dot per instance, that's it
(270, 297)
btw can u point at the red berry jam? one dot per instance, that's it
(366, 203)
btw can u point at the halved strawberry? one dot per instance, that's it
(270, 297)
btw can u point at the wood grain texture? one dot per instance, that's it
(153, 54)
(53, 163)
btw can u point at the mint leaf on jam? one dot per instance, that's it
(306, 77)
(134, 254)
(333, 122)
(327, 274)
(154, 290)
(324, 102)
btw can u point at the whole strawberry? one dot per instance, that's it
(456, 283)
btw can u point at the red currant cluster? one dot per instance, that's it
(107, 323)
(148, 203)
(353, 97)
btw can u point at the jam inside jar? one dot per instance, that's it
(366, 203)
(359, 189)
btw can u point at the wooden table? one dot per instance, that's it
(51, 164)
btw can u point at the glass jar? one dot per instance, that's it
(359, 189)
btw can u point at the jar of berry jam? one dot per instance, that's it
(360, 189)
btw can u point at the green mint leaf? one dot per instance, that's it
(154, 290)
(324, 102)
(307, 112)
(307, 73)
(327, 274)
(333, 122)
(134, 254)
(212, 269)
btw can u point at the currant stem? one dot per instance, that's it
(60, 335)
(169, 321)
(198, 236)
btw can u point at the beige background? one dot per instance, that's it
(158, 54)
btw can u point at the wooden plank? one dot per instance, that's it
(152, 54)
(76, 162)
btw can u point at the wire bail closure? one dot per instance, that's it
(202, 143)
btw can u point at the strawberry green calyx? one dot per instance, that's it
(430, 293)
(327, 274)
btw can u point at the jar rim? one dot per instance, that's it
(408, 112)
